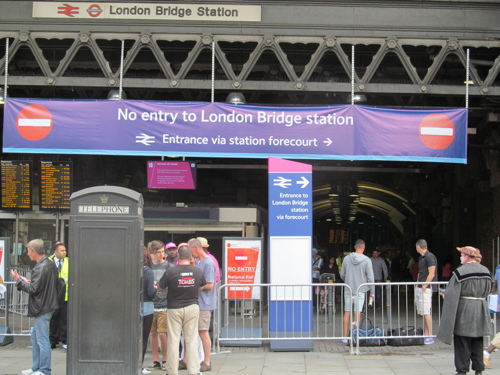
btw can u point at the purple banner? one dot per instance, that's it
(132, 127)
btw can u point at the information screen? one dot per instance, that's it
(171, 175)
(56, 185)
(16, 184)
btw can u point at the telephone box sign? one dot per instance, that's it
(195, 129)
(103, 209)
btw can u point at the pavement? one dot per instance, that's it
(329, 356)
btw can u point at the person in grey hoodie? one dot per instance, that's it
(356, 270)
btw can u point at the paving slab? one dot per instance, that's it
(333, 358)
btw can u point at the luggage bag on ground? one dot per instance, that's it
(412, 339)
(367, 329)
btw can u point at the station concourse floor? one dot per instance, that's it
(328, 357)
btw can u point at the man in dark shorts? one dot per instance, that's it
(427, 264)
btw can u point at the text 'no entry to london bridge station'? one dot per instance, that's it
(233, 117)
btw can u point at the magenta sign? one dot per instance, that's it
(171, 175)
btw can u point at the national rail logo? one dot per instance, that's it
(68, 10)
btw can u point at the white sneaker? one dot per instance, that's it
(27, 372)
(38, 373)
(146, 372)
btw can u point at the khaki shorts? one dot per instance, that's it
(204, 320)
(359, 303)
(423, 301)
(159, 322)
(496, 341)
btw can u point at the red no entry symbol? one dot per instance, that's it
(34, 122)
(437, 131)
(241, 258)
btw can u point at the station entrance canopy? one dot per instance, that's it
(199, 129)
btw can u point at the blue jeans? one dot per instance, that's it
(41, 344)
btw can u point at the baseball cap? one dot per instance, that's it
(204, 242)
(170, 245)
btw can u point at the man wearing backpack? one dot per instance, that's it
(59, 321)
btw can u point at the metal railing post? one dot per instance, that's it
(331, 302)
(388, 303)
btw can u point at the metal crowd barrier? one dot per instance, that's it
(398, 310)
(14, 308)
(245, 322)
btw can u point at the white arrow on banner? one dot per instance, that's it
(304, 182)
(328, 142)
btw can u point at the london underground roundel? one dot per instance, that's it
(94, 10)
(34, 122)
(437, 131)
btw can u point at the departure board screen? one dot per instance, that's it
(56, 185)
(16, 184)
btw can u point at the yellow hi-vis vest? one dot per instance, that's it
(64, 272)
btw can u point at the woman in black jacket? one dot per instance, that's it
(330, 267)
(148, 293)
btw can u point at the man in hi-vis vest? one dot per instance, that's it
(59, 321)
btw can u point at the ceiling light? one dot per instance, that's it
(357, 98)
(236, 98)
(334, 192)
(115, 95)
